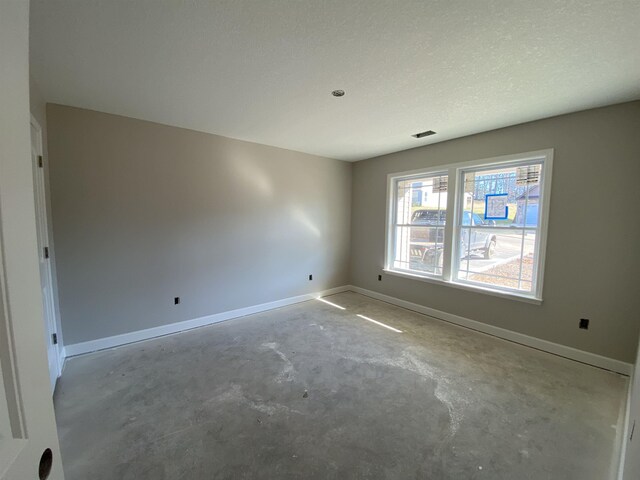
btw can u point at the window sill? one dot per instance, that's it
(469, 288)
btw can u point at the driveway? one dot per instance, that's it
(508, 245)
(507, 248)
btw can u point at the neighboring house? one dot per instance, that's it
(528, 201)
(424, 196)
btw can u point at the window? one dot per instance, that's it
(418, 226)
(477, 225)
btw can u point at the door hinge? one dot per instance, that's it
(46, 252)
(40, 162)
(54, 338)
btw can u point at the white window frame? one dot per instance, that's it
(455, 197)
(392, 222)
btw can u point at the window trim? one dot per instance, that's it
(391, 215)
(455, 171)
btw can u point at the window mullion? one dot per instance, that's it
(452, 200)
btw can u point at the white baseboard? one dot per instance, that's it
(62, 356)
(544, 345)
(125, 338)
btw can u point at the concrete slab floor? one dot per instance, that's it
(315, 392)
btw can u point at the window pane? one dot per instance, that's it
(420, 249)
(498, 227)
(520, 192)
(420, 214)
(497, 258)
(426, 245)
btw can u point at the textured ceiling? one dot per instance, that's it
(263, 70)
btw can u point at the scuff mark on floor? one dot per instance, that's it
(453, 398)
(288, 373)
(236, 395)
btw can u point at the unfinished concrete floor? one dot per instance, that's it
(314, 392)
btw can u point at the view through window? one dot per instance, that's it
(420, 211)
(495, 239)
(498, 227)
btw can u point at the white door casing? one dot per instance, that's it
(44, 248)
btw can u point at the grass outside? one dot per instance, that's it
(510, 270)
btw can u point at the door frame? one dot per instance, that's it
(51, 317)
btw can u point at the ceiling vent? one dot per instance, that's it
(424, 134)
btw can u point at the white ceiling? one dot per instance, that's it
(263, 70)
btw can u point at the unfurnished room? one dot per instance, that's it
(332, 239)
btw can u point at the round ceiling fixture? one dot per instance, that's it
(338, 93)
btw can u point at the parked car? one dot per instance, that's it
(474, 240)
(428, 218)
(427, 244)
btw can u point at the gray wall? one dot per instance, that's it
(592, 263)
(144, 212)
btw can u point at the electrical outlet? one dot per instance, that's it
(379, 278)
(584, 323)
(176, 300)
(310, 277)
